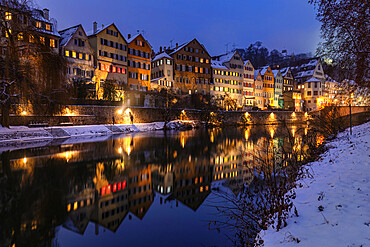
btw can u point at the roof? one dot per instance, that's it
(284, 71)
(256, 74)
(217, 65)
(245, 63)
(67, 34)
(129, 40)
(225, 57)
(263, 70)
(161, 55)
(38, 14)
(179, 48)
(313, 79)
(275, 72)
(305, 73)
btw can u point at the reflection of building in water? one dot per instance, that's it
(140, 191)
(192, 181)
(111, 205)
(80, 206)
(162, 178)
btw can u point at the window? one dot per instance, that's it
(74, 54)
(168, 62)
(42, 40)
(309, 93)
(81, 56)
(8, 16)
(87, 56)
(48, 27)
(52, 43)
(38, 24)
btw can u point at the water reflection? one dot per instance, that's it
(108, 182)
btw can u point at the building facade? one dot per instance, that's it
(278, 89)
(75, 46)
(111, 58)
(258, 89)
(192, 67)
(310, 80)
(139, 62)
(248, 85)
(268, 86)
(227, 76)
(162, 72)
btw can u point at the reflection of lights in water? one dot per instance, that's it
(212, 138)
(120, 150)
(246, 114)
(24, 160)
(293, 114)
(127, 145)
(182, 140)
(272, 115)
(293, 132)
(305, 114)
(120, 111)
(272, 132)
(305, 131)
(68, 112)
(24, 113)
(247, 134)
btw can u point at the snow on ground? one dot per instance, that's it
(23, 133)
(333, 206)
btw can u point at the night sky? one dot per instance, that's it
(280, 24)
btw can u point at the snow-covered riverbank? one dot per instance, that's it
(20, 135)
(333, 206)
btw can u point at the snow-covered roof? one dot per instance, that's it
(129, 40)
(161, 55)
(246, 62)
(256, 74)
(263, 70)
(275, 72)
(225, 57)
(217, 65)
(305, 73)
(313, 79)
(38, 14)
(156, 79)
(98, 30)
(67, 34)
(179, 48)
(284, 71)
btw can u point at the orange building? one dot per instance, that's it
(139, 60)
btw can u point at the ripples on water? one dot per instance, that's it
(147, 189)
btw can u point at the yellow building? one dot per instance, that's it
(258, 89)
(111, 58)
(139, 59)
(268, 86)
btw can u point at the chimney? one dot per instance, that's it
(46, 13)
(129, 35)
(164, 48)
(177, 45)
(95, 26)
(160, 49)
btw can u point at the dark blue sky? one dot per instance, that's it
(280, 24)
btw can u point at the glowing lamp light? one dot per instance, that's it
(305, 114)
(272, 132)
(120, 150)
(120, 111)
(23, 113)
(272, 115)
(24, 160)
(246, 114)
(293, 114)
(127, 111)
(183, 112)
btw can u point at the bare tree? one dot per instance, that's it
(345, 31)
(31, 69)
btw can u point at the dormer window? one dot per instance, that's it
(38, 24)
(48, 27)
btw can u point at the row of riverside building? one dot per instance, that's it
(104, 55)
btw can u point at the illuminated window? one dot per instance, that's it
(201, 60)
(8, 16)
(38, 24)
(42, 40)
(74, 54)
(81, 56)
(201, 189)
(20, 36)
(52, 43)
(48, 27)
(87, 57)
(68, 207)
(75, 205)
(67, 53)
(31, 38)
(7, 33)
